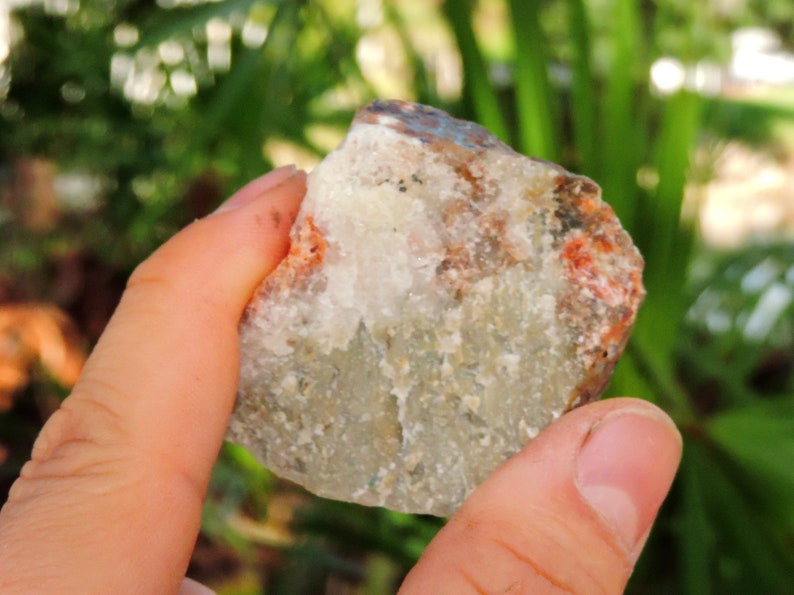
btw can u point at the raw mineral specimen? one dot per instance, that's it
(444, 299)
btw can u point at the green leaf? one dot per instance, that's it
(180, 22)
(695, 531)
(665, 243)
(582, 84)
(623, 124)
(760, 437)
(227, 98)
(536, 115)
(657, 370)
(629, 380)
(663, 240)
(746, 546)
(477, 86)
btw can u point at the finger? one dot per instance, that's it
(568, 514)
(111, 500)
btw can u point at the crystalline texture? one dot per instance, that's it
(444, 299)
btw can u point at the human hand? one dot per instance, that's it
(111, 500)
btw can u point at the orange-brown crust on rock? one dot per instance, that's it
(306, 254)
(591, 241)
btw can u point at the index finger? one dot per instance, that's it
(111, 500)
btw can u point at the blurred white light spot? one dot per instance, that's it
(78, 191)
(125, 35)
(219, 56)
(219, 50)
(145, 86)
(760, 275)
(171, 53)
(183, 83)
(449, 74)
(749, 195)
(707, 78)
(773, 68)
(61, 7)
(72, 92)
(370, 52)
(718, 321)
(5, 33)
(758, 57)
(121, 65)
(647, 177)
(253, 34)
(755, 39)
(218, 31)
(767, 311)
(381, 57)
(668, 75)
(369, 13)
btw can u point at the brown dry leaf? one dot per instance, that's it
(33, 334)
(32, 198)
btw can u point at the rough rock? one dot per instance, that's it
(444, 299)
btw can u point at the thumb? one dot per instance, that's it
(569, 513)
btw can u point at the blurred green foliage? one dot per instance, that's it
(564, 80)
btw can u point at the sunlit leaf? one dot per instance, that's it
(623, 123)
(665, 242)
(537, 117)
(477, 86)
(583, 100)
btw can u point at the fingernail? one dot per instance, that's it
(625, 468)
(191, 587)
(255, 188)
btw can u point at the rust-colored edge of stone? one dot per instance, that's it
(306, 254)
(604, 271)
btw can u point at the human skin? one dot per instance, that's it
(111, 499)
